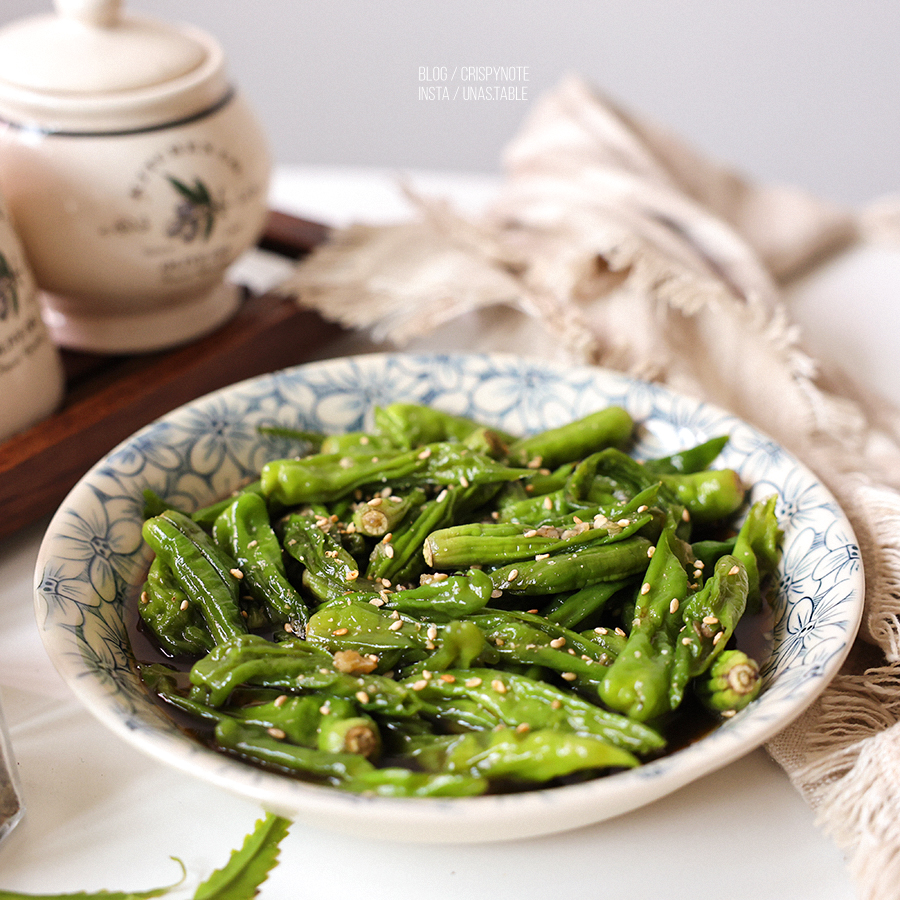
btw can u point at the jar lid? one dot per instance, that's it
(90, 67)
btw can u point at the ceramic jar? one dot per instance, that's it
(134, 171)
(31, 373)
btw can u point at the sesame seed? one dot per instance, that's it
(535, 462)
(710, 620)
(685, 515)
(387, 538)
(237, 573)
(442, 496)
(432, 632)
(362, 696)
(463, 481)
(425, 453)
(699, 564)
(541, 556)
(288, 628)
(184, 605)
(556, 643)
(144, 597)
(651, 551)
(673, 606)
(568, 676)
(448, 678)
(396, 626)
(253, 543)
(498, 686)
(718, 637)
(642, 509)
(623, 522)
(376, 501)
(601, 630)
(473, 682)
(277, 733)
(420, 685)
(513, 575)
(733, 570)
(548, 503)
(523, 727)
(645, 587)
(389, 551)
(728, 713)
(555, 704)
(280, 700)
(340, 632)
(377, 601)
(530, 533)
(686, 641)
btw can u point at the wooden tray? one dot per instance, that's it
(110, 397)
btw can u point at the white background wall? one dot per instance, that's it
(803, 91)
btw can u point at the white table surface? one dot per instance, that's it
(100, 814)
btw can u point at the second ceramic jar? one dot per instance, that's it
(134, 172)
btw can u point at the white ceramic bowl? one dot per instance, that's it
(92, 561)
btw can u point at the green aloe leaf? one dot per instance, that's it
(247, 868)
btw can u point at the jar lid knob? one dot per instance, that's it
(101, 13)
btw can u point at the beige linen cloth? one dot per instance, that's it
(612, 242)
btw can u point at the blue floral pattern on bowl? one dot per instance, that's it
(92, 561)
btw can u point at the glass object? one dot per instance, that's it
(11, 806)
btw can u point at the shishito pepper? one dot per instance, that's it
(528, 639)
(164, 607)
(758, 547)
(528, 756)
(380, 515)
(244, 531)
(208, 577)
(325, 477)
(468, 698)
(607, 427)
(329, 569)
(709, 617)
(409, 425)
(639, 682)
(573, 570)
(294, 665)
(392, 638)
(496, 543)
(731, 683)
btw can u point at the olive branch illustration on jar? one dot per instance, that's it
(9, 292)
(196, 213)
